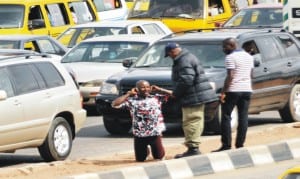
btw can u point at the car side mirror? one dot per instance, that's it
(128, 62)
(36, 24)
(3, 95)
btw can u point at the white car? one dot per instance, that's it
(76, 34)
(40, 106)
(92, 61)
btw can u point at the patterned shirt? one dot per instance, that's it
(241, 63)
(147, 118)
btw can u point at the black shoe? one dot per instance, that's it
(222, 149)
(191, 151)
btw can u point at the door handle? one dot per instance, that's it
(289, 64)
(265, 69)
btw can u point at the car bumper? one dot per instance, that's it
(80, 118)
(89, 94)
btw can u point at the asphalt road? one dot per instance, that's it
(93, 140)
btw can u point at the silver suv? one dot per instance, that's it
(40, 106)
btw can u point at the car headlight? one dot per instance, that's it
(108, 88)
(94, 83)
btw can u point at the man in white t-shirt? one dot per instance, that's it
(236, 91)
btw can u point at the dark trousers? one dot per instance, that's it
(241, 100)
(141, 147)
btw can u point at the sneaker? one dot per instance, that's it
(190, 152)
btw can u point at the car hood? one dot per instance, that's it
(88, 71)
(159, 76)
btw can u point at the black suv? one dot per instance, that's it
(276, 80)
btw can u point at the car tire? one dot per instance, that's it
(214, 126)
(291, 111)
(58, 143)
(114, 126)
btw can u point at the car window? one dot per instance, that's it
(23, 77)
(50, 75)
(57, 14)
(46, 46)
(11, 16)
(106, 5)
(289, 45)
(251, 47)
(9, 44)
(265, 44)
(36, 14)
(81, 12)
(137, 30)
(153, 29)
(5, 83)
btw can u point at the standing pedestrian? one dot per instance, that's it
(237, 91)
(147, 119)
(193, 90)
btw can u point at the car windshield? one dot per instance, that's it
(11, 16)
(73, 36)
(260, 17)
(108, 52)
(167, 8)
(210, 55)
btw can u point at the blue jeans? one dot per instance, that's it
(241, 100)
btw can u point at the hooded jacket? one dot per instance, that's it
(191, 86)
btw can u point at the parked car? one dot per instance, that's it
(40, 106)
(276, 80)
(43, 44)
(74, 35)
(257, 16)
(95, 59)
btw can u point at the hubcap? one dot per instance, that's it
(296, 103)
(61, 139)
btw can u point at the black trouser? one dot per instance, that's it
(241, 100)
(141, 147)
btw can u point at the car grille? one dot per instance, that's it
(125, 88)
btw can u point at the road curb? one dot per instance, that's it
(205, 164)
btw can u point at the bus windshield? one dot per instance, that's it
(167, 8)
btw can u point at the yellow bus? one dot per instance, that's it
(46, 17)
(183, 15)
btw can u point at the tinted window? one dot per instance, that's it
(210, 54)
(289, 45)
(50, 75)
(23, 78)
(265, 44)
(5, 83)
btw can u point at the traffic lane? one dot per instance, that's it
(93, 140)
(272, 170)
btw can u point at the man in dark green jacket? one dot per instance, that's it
(193, 90)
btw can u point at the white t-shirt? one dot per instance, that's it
(241, 63)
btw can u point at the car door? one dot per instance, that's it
(270, 87)
(11, 110)
(33, 96)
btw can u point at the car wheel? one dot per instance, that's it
(114, 126)
(214, 126)
(58, 143)
(291, 111)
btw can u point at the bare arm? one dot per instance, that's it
(161, 90)
(118, 101)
